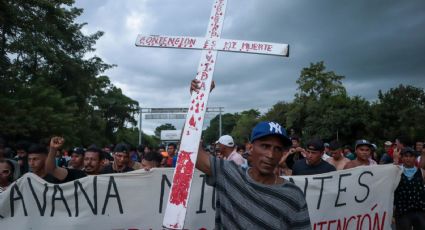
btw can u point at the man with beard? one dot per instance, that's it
(93, 158)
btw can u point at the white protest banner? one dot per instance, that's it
(357, 199)
(360, 198)
(134, 200)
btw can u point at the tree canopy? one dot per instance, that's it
(47, 86)
(321, 108)
(52, 84)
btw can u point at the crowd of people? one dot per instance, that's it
(55, 164)
(317, 157)
(266, 158)
(250, 192)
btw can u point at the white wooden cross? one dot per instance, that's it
(175, 212)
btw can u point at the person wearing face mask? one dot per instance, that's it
(409, 197)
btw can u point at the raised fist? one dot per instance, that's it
(56, 142)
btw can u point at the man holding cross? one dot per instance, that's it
(210, 44)
(256, 198)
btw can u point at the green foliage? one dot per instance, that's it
(278, 113)
(166, 126)
(49, 87)
(228, 122)
(401, 111)
(242, 131)
(315, 82)
(322, 108)
(46, 85)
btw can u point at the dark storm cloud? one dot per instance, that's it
(374, 44)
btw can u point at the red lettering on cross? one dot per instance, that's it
(269, 48)
(245, 46)
(204, 75)
(206, 66)
(206, 44)
(226, 46)
(142, 40)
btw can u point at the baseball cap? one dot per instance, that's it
(121, 148)
(335, 145)
(226, 140)
(78, 150)
(363, 142)
(407, 150)
(315, 145)
(267, 128)
(388, 143)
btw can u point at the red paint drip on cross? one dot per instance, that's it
(181, 180)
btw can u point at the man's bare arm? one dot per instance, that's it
(50, 166)
(203, 161)
(422, 161)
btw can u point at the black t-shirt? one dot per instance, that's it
(109, 169)
(291, 159)
(302, 168)
(73, 174)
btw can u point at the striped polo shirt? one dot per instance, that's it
(242, 203)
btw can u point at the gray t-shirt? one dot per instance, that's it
(242, 203)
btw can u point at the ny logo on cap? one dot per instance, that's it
(276, 127)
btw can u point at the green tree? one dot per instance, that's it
(228, 122)
(278, 113)
(399, 111)
(323, 109)
(241, 133)
(47, 86)
(316, 83)
(166, 126)
(115, 108)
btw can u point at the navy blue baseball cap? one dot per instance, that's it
(267, 128)
(410, 150)
(364, 142)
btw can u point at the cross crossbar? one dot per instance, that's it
(200, 43)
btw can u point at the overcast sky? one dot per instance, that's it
(374, 44)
